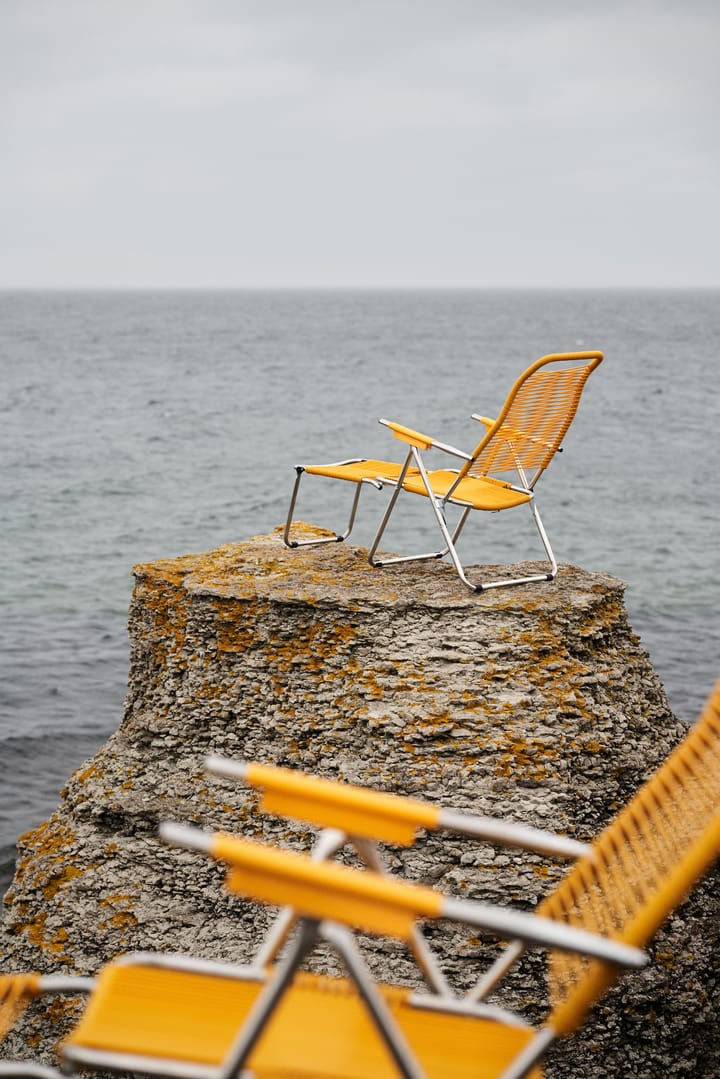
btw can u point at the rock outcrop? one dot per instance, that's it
(538, 703)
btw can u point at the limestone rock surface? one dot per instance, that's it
(538, 703)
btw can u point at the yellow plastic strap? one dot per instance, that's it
(507, 430)
(642, 865)
(321, 1027)
(371, 814)
(484, 492)
(698, 859)
(182, 1015)
(413, 438)
(639, 929)
(357, 471)
(362, 899)
(16, 992)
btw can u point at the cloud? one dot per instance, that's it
(382, 143)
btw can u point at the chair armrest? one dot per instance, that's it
(534, 929)
(511, 834)
(422, 442)
(355, 810)
(378, 816)
(483, 419)
(373, 902)
(361, 898)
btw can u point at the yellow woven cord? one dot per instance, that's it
(16, 992)
(641, 867)
(535, 417)
(358, 471)
(357, 811)
(320, 1029)
(162, 1012)
(363, 899)
(483, 493)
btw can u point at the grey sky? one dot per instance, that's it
(359, 143)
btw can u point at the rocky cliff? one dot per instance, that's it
(537, 702)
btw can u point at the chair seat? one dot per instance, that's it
(320, 1030)
(358, 470)
(483, 493)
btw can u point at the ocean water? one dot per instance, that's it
(143, 425)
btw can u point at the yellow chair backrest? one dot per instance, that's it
(641, 867)
(535, 417)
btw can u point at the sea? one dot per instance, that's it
(148, 424)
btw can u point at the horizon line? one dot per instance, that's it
(358, 288)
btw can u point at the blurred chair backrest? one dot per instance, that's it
(535, 417)
(641, 867)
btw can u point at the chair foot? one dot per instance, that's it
(378, 562)
(314, 543)
(512, 581)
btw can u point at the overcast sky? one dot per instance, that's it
(363, 143)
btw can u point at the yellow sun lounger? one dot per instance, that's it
(162, 1015)
(500, 473)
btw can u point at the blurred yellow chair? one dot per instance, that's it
(169, 1016)
(500, 473)
(362, 818)
(172, 1016)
